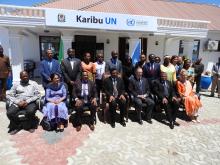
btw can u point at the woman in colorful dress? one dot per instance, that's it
(189, 98)
(55, 109)
(168, 68)
(88, 66)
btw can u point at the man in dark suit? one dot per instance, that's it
(84, 94)
(140, 91)
(151, 69)
(167, 98)
(4, 72)
(71, 69)
(199, 68)
(114, 89)
(142, 61)
(47, 67)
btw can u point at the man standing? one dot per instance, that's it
(198, 69)
(142, 61)
(85, 94)
(114, 62)
(167, 98)
(71, 69)
(22, 96)
(140, 91)
(4, 72)
(100, 71)
(151, 69)
(47, 67)
(114, 89)
(216, 78)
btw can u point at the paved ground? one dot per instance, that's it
(189, 144)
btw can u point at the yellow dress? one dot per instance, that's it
(171, 72)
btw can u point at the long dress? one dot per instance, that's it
(191, 101)
(56, 113)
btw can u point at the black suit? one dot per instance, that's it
(141, 87)
(69, 73)
(159, 90)
(77, 94)
(108, 88)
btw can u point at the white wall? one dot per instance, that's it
(4, 40)
(209, 56)
(112, 45)
(152, 48)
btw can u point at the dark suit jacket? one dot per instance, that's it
(78, 89)
(46, 72)
(134, 86)
(108, 86)
(69, 73)
(198, 69)
(158, 89)
(149, 74)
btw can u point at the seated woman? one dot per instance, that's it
(190, 99)
(55, 109)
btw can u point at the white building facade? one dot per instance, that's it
(27, 31)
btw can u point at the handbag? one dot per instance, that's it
(45, 123)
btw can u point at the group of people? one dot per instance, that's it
(147, 85)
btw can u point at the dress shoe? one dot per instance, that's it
(140, 122)
(92, 127)
(113, 125)
(176, 124)
(78, 128)
(171, 125)
(149, 121)
(211, 95)
(123, 123)
(31, 130)
(14, 131)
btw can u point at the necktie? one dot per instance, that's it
(115, 91)
(50, 65)
(140, 86)
(166, 93)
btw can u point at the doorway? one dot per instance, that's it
(85, 44)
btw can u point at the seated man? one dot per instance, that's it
(22, 97)
(85, 94)
(140, 90)
(114, 89)
(167, 98)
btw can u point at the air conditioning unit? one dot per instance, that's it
(212, 45)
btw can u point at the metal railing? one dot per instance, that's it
(181, 23)
(21, 11)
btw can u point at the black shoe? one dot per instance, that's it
(171, 125)
(14, 131)
(140, 122)
(149, 121)
(211, 95)
(113, 125)
(176, 124)
(123, 123)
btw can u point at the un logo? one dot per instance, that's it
(130, 22)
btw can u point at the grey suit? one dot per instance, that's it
(117, 65)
